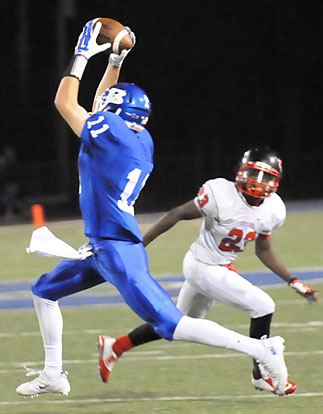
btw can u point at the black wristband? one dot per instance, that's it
(76, 67)
(292, 280)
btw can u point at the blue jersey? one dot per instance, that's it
(114, 164)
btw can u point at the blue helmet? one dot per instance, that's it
(128, 101)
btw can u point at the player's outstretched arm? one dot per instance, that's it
(112, 72)
(109, 78)
(67, 104)
(267, 255)
(187, 211)
(66, 99)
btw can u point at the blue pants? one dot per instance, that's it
(123, 264)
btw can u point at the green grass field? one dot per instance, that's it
(164, 377)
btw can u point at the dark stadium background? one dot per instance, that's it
(222, 75)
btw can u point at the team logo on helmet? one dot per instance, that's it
(129, 102)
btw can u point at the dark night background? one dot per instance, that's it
(222, 76)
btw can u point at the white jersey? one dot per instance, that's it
(229, 223)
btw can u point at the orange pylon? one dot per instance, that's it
(37, 212)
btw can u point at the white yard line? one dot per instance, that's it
(150, 399)
(147, 356)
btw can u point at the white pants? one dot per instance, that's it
(204, 284)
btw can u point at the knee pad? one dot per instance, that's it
(266, 307)
(165, 326)
(44, 290)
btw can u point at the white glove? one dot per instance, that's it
(86, 45)
(117, 60)
(304, 290)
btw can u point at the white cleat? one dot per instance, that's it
(266, 384)
(274, 364)
(107, 358)
(44, 385)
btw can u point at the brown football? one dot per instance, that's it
(115, 33)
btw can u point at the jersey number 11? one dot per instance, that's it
(128, 192)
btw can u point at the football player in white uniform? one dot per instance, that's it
(234, 214)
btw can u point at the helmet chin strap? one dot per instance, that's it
(251, 201)
(134, 126)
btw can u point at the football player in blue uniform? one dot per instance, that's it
(115, 160)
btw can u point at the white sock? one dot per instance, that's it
(53, 360)
(51, 328)
(206, 332)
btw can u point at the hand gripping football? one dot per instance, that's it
(115, 33)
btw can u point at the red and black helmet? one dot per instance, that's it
(259, 173)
